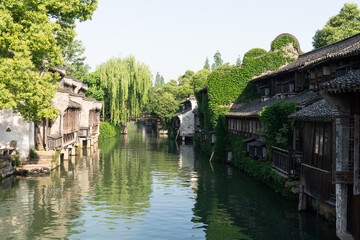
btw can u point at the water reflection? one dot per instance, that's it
(144, 186)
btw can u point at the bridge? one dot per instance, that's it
(145, 117)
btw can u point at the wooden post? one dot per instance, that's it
(356, 156)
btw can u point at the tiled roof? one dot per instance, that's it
(350, 81)
(318, 111)
(73, 104)
(347, 47)
(253, 109)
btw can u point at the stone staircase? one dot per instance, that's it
(43, 160)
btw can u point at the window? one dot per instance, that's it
(319, 140)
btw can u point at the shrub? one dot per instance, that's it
(108, 130)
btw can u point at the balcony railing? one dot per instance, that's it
(285, 162)
(84, 132)
(54, 142)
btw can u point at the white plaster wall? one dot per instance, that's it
(187, 121)
(21, 132)
(60, 101)
(86, 105)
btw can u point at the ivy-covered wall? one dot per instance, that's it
(227, 83)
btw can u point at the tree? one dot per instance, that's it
(33, 35)
(199, 79)
(159, 80)
(185, 79)
(94, 82)
(126, 85)
(74, 60)
(217, 60)
(341, 26)
(238, 61)
(207, 65)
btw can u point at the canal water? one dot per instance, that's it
(143, 186)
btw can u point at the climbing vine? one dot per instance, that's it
(278, 126)
(282, 41)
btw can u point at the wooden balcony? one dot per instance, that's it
(84, 132)
(54, 142)
(288, 164)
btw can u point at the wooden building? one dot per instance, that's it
(245, 121)
(311, 68)
(316, 176)
(343, 94)
(78, 122)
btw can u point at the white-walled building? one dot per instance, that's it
(185, 121)
(77, 124)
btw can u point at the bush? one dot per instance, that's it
(108, 130)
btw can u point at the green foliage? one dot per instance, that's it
(283, 41)
(74, 60)
(108, 129)
(126, 84)
(341, 26)
(163, 103)
(17, 161)
(30, 32)
(207, 64)
(185, 79)
(33, 153)
(228, 83)
(278, 126)
(238, 61)
(221, 133)
(94, 82)
(260, 170)
(217, 60)
(253, 53)
(159, 80)
(166, 99)
(199, 79)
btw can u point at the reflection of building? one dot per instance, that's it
(45, 207)
(184, 121)
(186, 163)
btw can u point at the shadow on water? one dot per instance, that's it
(144, 186)
(235, 206)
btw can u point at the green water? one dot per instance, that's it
(141, 186)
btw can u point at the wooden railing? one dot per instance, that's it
(54, 142)
(94, 129)
(285, 162)
(84, 132)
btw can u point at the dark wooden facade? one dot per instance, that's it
(250, 127)
(317, 162)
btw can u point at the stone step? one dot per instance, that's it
(45, 153)
(30, 167)
(44, 161)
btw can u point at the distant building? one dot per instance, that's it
(184, 124)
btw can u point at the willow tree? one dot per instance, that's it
(126, 85)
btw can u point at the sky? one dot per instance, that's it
(172, 36)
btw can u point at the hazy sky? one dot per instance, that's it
(172, 36)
